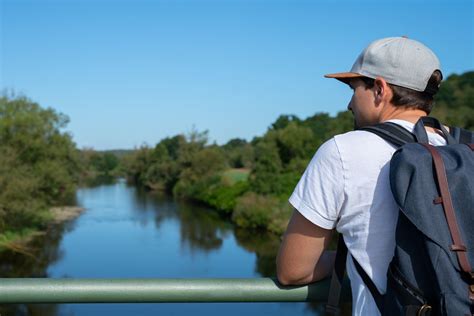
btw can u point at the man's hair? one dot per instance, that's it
(404, 97)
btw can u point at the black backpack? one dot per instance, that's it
(431, 272)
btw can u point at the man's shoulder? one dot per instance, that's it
(356, 139)
(352, 141)
(358, 135)
(361, 146)
(354, 148)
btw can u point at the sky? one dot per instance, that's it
(129, 73)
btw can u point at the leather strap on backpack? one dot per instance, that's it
(458, 247)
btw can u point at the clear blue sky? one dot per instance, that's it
(133, 72)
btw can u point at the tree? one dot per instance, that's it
(284, 120)
(239, 153)
(268, 166)
(204, 168)
(454, 103)
(39, 162)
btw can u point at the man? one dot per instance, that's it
(346, 185)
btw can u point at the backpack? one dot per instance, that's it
(431, 272)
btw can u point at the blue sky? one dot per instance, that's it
(134, 72)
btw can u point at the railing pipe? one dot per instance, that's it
(24, 290)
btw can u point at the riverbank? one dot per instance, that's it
(65, 213)
(18, 241)
(236, 193)
(243, 208)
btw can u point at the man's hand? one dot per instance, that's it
(302, 258)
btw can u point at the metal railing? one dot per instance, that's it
(25, 290)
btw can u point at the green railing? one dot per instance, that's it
(22, 290)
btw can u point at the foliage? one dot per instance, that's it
(232, 176)
(39, 164)
(202, 170)
(223, 196)
(95, 164)
(268, 165)
(254, 211)
(454, 103)
(239, 153)
(261, 212)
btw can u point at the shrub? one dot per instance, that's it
(261, 212)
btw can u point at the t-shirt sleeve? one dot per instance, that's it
(319, 194)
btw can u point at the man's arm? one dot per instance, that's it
(302, 257)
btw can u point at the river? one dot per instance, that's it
(130, 233)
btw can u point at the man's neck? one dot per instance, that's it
(410, 115)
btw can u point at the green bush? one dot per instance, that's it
(254, 211)
(224, 197)
(261, 212)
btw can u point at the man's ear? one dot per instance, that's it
(382, 91)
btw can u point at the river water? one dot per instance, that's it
(129, 233)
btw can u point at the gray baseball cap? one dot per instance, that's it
(399, 60)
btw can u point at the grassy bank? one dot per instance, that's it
(18, 240)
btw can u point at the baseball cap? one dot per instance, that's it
(399, 60)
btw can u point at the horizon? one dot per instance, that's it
(128, 73)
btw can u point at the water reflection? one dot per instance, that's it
(264, 245)
(201, 228)
(44, 251)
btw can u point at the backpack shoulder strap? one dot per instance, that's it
(392, 133)
(334, 297)
(378, 297)
(332, 308)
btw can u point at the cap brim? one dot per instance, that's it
(344, 76)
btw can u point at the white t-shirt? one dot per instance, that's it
(346, 186)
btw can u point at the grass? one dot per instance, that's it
(236, 175)
(17, 241)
